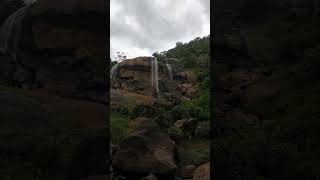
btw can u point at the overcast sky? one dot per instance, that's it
(142, 27)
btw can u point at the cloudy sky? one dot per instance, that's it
(142, 27)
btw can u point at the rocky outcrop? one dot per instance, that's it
(134, 76)
(188, 126)
(133, 124)
(187, 171)
(62, 57)
(202, 172)
(53, 89)
(150, 177)
(145, 150)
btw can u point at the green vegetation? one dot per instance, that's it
(194, 55)
(195, 151)
(119, 127)
(172, 112)
(198, 107)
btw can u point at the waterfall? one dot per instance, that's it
(113, 71)
(154, 74)
(169, 69)
(29, 2)
(10, 32)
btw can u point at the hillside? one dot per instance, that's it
(163, 96)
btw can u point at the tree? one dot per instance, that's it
(120, 56)
(179, 44)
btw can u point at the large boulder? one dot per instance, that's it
(187, 171)
(202, 172)
(188, 126)
(133, 124)
(146, 150)
(150, 177)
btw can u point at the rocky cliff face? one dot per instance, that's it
(53, 85)
(134, 78)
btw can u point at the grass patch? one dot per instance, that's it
(119, 127)
(195, 151)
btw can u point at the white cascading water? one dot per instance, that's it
(10, 32)
(113, 72)
(29, 2)
(154, 74)
(169, 69)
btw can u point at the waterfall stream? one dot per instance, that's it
(154, 74)
(113, 72)
(29, 2)
(10, 32)
(169, 69)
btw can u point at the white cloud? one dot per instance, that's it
(142, 27)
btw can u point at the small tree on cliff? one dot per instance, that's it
(120, 56)
(160, 56)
